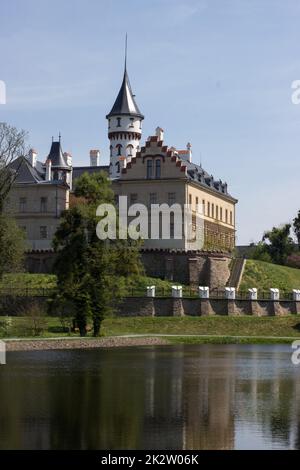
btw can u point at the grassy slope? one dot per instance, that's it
(49, 281)
(265, 275)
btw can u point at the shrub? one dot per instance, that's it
(293, 261)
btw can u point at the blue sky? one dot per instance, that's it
(217, 73)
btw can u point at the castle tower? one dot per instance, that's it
(58, 164)
(124, 127)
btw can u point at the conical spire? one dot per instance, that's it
(125, 102)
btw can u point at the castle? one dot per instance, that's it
(151, 173)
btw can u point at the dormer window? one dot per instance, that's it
(118, 122)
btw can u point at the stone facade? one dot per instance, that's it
(194, 268)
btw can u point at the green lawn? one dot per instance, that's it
(226, 327)
(266, 275)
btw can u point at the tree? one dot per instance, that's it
(12, 146)
(296, 227)
(278, 243)
(12, 245)
(92, 274)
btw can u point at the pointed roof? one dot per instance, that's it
(25, 173)
(56, 156)
(125, 102)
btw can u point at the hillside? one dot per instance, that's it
(265, 275)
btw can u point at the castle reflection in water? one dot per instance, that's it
(179, 397)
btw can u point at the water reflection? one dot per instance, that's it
(181, 397)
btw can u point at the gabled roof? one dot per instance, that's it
(125, 102)
(56, 156)
(25, 172)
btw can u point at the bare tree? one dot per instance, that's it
(12, 146)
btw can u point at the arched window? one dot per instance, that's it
(119, 150)
(118, 122)
(157, 168)
(149, 169)
(118, 167)
(129, 150)
(111, 150)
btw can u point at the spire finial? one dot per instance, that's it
(59, 136)
(125, 53)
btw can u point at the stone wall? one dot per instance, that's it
(156, 306)
(169, 306)
(194, 268)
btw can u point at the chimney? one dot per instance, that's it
(48, 169)
(32, 157)
(160, 133)
(94, 157)
(68, 158)
(189, 151)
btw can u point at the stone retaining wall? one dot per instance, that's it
(169, 306)
(156, 306)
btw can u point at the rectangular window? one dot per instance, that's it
(230, 217)
(203, 206)
(190, 199)
(153, 198)
(213, 211)
(221, 214)
(133, 198)
(171, 230)
(118, 122)
(44, 204)
(171, 198)
(157, 168)
(217, 212)
(208, 209)
(131, 122)
(197, 204)
(226, 216)
(149, 169)
(22, 204)
(43, 232)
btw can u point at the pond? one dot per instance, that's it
(158, 397)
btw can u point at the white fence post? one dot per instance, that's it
(296, 295)
(177, 291)
(150, 291)
(230, 293)
(274, 294)
(252, 293)
(203, 292)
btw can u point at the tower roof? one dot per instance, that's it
(125, 102)
(56, 156)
